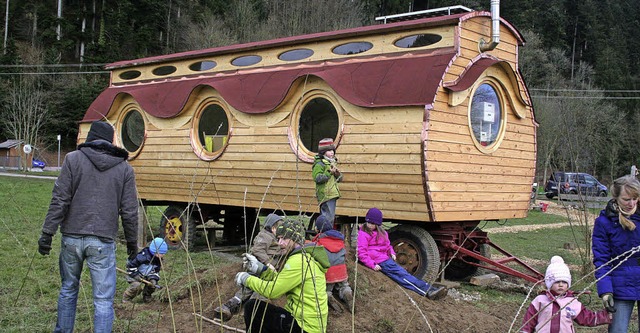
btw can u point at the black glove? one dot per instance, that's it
(607, 301)
(132, 250)
(44, 244)
(133, 273)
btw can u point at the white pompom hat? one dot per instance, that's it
(557, 271)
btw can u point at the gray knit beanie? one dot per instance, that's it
(270, 220)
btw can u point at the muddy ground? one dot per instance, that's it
(381, 306)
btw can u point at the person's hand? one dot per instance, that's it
(377, 268)
(607, 301)
(132, 250)
(393, 256)
(133, 273)
(251, 264)
(44, 244)
(271, 267)
(241, 278)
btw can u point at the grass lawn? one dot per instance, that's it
(29, 282)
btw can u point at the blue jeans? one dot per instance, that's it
(397, 273)
(328, 209)
(101, 260)
(622, 316)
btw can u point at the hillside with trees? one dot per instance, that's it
(580, 61)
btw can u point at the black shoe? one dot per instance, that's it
(436, 293)
(228, 309)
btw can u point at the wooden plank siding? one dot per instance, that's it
(385, 152)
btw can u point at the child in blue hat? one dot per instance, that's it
(146, 265)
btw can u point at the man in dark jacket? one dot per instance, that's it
(96, 186)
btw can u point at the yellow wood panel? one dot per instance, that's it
(477, 197)
(470, 149)
(471, 170)
(489, 179)
(377, 148)
(392, 138)
(261, 177)
(182, 167)
(382, 128)
(480, 159)
(494, 214)
(455, 206)
(467, 187)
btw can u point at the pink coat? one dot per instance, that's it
(542, 315)
(371, 250)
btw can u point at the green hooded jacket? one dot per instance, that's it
(326, 183)
(302, 280)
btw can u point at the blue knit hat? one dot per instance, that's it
(158, 245)
(323, 224)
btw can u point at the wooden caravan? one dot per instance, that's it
(436, 133)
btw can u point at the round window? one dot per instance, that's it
(486, 115)
(417, 40)
(246, 60)
(164, 70)
(130, 75)
(132, 134)
(212, 131)
(202, 65)
(352, 48)
(318, 120)
(297, 54)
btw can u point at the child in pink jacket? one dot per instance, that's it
(375, 251)
(556, 309)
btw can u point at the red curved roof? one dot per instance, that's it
(373, 83)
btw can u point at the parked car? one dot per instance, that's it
(35, 163)
(574, 183)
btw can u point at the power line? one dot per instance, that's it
(588, 97)
(55, 73)
(586, 90)
(52, 65)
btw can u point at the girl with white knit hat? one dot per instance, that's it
(556, 309)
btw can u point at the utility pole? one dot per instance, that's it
(6, 29)
(58, 31)
(58, 150)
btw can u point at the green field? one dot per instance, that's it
(29, 282)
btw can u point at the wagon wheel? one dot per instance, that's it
(176, 225)
(460, 270)
(416, 251)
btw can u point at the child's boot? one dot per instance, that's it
(334, 304)
(436, 293)
(131, 292)
(228, 309)
(347, 296)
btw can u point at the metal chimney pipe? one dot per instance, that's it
(495, 28)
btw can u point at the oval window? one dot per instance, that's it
(212, 131)
(132, 134)
(130, 75)
(246, 60)
(297, 54)
(486, 115)
(352, 48)
(417, 40)
(318, 120)
(202, 65)
(164, 70)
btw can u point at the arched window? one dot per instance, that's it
(211, 131)
(486, 117)
(317, 116)
(132, 132)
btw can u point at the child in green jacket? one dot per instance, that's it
(326, 175)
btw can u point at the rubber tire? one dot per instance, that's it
(458, 270)
(602, 194)
(424, 248)
(549, 195)
(185, 231)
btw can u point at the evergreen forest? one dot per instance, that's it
(580, 61)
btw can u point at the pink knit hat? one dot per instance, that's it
(557, 271)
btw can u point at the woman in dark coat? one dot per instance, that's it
(616, 252)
